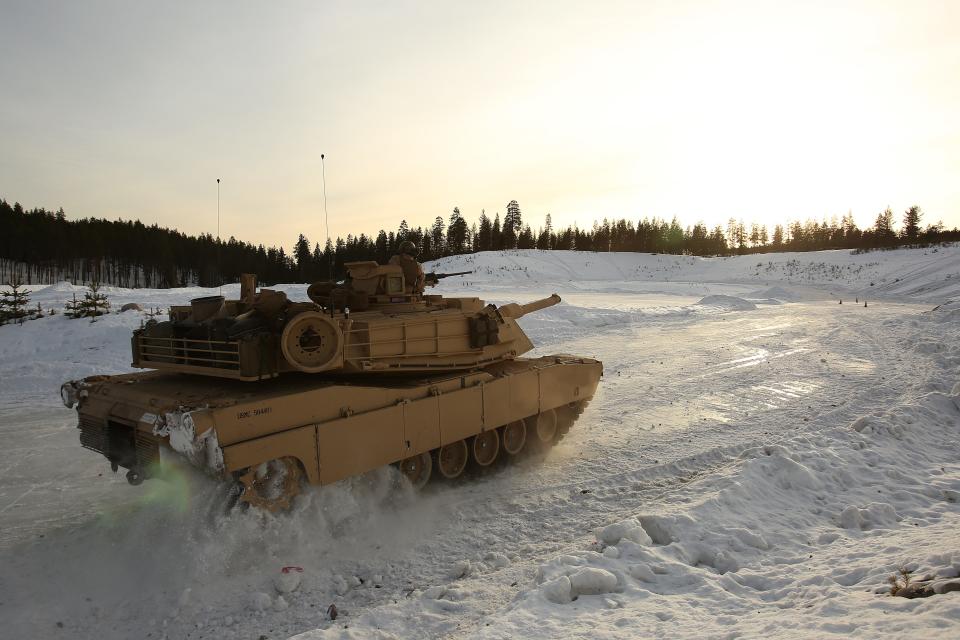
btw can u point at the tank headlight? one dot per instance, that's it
(68, 393)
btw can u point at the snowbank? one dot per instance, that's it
(931, 274)
(818, 522)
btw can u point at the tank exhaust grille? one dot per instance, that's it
(93, 434)
(120, 443)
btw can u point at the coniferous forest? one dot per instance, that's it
(38, 246)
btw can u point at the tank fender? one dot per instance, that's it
(299, 443)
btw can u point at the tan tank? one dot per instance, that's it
(460, 395)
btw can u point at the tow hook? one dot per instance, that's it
(134, 477)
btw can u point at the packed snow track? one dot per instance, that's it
(717, 445)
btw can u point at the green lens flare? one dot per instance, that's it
(171, 487)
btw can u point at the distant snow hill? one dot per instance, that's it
(727, 302)
(929, 274)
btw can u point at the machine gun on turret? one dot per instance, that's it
(433, 278)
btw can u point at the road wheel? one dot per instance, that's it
(452, 459)
(545, 427)
(514, 437)
(417, 469)
(484, 447)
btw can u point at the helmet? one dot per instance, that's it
(408, 248)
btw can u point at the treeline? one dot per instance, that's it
(40, 246)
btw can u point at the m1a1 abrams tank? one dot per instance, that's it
(271, 394)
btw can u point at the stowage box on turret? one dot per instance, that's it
(369, 372)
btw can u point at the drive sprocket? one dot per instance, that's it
(272, 485)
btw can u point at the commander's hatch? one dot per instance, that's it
(376, 279)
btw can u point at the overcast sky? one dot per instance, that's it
(704, 110)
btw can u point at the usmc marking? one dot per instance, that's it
(253, 413)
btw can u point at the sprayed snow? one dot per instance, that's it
(629, 529)
(180, 429)
(288, 580)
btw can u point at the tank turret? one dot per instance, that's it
(372, 322)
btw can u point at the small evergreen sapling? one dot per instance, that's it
(13, 303)
(94, 303)
(72, 308)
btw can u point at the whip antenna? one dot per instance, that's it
(219, 276)
(323, 172)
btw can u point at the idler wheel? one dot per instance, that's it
(417, 469)
(484, 447)
(452, 459)
(567, 415)
(545, 427)
(514, 437)
(272, 485)
(312, 342)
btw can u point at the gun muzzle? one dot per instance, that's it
(514, 310)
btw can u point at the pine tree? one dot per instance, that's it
(718, 241)
(849, 226)
(512, 225)
(426, 247)
(316, 262)
(884, 227)
(94, 303)
(778, 236)
(732, 232)
(456, 233)
(737, 235)
(436, 237)
(513, 217)
(13, 303)
(72, 308)
(485, 233)
(754, 234)
(526, 240)
(545, 239)
(911, 223)
(302, 255)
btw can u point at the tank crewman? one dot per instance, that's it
(412, 271)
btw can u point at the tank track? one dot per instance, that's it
(274, 485)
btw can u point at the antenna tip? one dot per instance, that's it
(218, 180)
(321, 156)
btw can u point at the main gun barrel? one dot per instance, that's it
(514, 310)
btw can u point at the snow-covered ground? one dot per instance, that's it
(758, 460)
